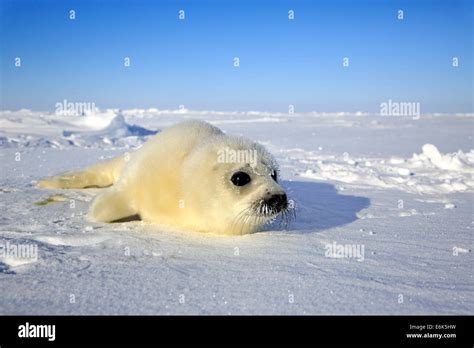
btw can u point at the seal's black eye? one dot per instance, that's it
(274, 175)
(240, 179)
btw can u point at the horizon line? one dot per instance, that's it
(183, 111)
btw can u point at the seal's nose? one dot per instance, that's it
(278, 201)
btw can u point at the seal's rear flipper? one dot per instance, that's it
(82, 179)
(103, 174)
(112, 206)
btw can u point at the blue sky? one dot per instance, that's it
(282, 62)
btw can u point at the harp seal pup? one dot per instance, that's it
(190, 176)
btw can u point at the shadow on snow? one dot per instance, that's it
(319, 206)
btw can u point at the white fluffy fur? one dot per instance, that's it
(175, 179)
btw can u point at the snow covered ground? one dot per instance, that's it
(384, 220)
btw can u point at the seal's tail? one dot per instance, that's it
(102, 174)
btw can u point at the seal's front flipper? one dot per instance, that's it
(135, 217)
(112, 206)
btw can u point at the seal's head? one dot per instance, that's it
(236, 187)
